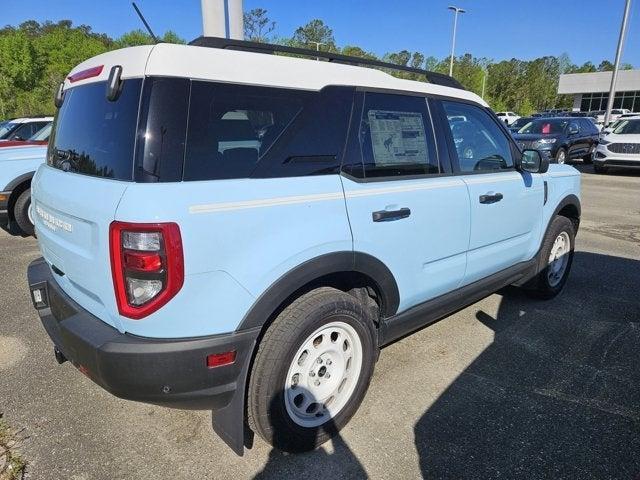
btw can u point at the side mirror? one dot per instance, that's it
(533, 162)
(18, 138)
(573, 130)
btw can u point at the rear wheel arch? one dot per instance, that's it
(347, 271)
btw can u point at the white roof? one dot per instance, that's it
(598, 82)
(234, 66)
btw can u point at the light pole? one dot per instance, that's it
(484, 81)
(616, 66)
(455, 11)
(317, 47)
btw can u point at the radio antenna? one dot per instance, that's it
(155, 39)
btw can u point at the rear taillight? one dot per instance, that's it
(147, 266)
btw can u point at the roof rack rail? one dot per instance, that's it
(269, 48)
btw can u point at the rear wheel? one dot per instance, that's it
(311, 371)
(22, 212)
(557, 250)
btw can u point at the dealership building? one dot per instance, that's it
(591, 90)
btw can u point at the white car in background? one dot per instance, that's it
(21, 129)
(508, 117)
(620, 148)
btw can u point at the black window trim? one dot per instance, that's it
(356, 117)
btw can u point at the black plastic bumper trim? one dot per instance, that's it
(167, 372)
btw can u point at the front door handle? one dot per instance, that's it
(491, 197)
(390, 215)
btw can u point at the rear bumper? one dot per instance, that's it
(168, 372)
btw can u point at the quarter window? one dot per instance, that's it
(396, 138)
(480, 143)
(231, 128)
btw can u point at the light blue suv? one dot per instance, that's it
(241, 232)
(17, 166)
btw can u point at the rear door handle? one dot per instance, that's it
(390, 215)
(491, 197)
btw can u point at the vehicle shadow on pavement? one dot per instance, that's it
(557, 393)
(318, 463)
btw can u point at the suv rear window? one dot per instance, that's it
(94, 136)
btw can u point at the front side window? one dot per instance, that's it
(480, 143)
(628, 127)
(396, 137)
(232, 127)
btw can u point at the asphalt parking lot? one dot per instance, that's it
(506, 388)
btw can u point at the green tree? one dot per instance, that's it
(354, 51)
(312, 32)
(258, 27)
(605, 66)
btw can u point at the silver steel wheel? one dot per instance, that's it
(30, 214)
(558, 259)
(323, 374)
(562, 157)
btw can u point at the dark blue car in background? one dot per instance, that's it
(560, 138)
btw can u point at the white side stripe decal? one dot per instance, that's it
(292, 200)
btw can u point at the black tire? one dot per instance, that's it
(266, 410)
(559, 154)
(588, 158)
(600, 169)
(21, 212)
(541, 286)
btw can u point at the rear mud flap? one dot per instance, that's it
(229, 422)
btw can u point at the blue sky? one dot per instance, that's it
(498, 29)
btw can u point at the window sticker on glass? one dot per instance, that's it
(397, 137)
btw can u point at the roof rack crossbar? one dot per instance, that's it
(269, 48)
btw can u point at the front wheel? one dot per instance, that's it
(561, 156)
(557, 252)
(311, 371)
(599, 169)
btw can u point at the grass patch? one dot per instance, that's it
(11, 464)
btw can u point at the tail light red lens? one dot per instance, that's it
(147, 266)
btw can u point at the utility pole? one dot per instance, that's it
(616, 66)
(455, 11)
(222, 18)
(317, 47)
(484, 81)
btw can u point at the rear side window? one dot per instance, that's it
(94, 136)
(232, 127)
(480, 143)
(396, 137)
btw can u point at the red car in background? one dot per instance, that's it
(41, 137)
